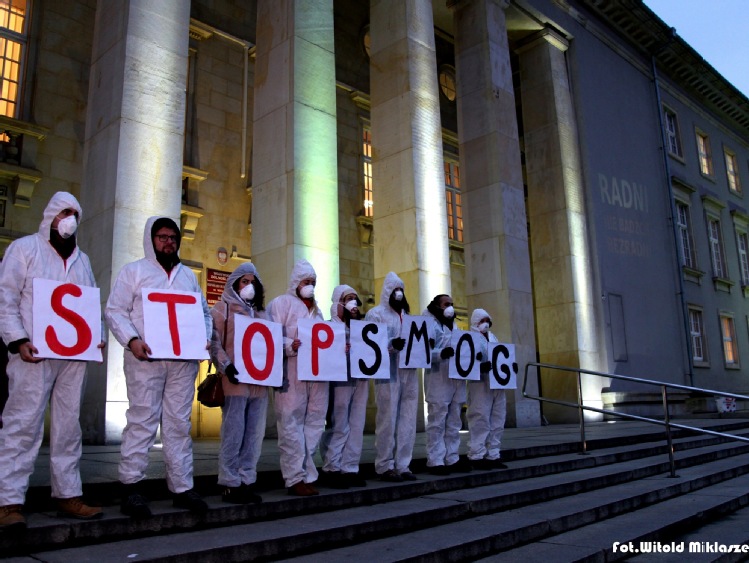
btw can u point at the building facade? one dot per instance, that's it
(571, 166)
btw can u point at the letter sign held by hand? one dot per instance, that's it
(503, 374)
(183, 336)
(66, 320)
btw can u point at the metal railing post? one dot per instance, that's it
(667, 419)
(581, 415)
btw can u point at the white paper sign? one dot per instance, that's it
(369, 357)
(258, 351)
(174, 324)
(66, 320)
(504, 372)
(464, 364)
(416, 353)
(322, 355)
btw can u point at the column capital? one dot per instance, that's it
(457, 4)
(547, 34)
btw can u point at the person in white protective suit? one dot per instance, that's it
(245, 405)
(53, 254)
(445, 397)
(397, 397)
(158, 391)
(343, 442)
(487, 408)
(300, 406)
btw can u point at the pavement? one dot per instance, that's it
(99, 463)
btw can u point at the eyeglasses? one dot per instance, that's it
(165, 238)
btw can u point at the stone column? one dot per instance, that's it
(410, 219)
(498, 276)
(132, 161)
(294, 166)
(562, 275)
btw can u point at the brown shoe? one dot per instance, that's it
(302, 489)
(76, 508)
(11, 516)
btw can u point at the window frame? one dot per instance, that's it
(365, 169)
(453, 200)
(22, 40)
(704, 154)
(686, 234)
(728, 341)
(731, 162)
(672, 134)
(698, 337)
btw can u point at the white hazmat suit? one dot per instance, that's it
(32, 385)
(300, 406)
(445, 398)
(245, 405)
(344, 442)
(397, 397)
(487, 408)
(159, 391)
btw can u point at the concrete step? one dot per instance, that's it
(541, 532)
(46, 531)
(283, 525)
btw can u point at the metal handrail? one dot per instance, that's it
(664, 395)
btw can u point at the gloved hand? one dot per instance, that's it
(231, 374)
(447, 353)
(480, 356)
(398, 343)
(485, 367)
(432, 343)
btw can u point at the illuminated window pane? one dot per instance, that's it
(12, 43)
(447, 82)
(452, 196)
(367, 172)
(732, 171)
(703, 152)
(730, 352)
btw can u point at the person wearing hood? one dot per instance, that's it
(158, 391)
(343, 442)
(300, 406)
(245, 405)
(397, 397)
(487, 408)
(444, 396)
(52, 254)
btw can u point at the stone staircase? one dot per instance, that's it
(551, 504)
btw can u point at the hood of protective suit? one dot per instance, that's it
(231, 296)
(58, 202)
(302, 270)
(391, 283)
(148, 248)
(476, 317)
(338, 293)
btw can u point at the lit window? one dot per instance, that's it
(716, 248)
(672, 132)
(367, 171)
(703, 151)
(454, 206)
(698, 336)
(447, 82)
(730, 352)
(12, 47)
(688, 257)
(742, 243)
(732, 171)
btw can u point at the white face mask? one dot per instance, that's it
(398, 295)
(66, 227)
(307, 292)
(483, 327)
(449, 312)
(351, 305)
(247, 292)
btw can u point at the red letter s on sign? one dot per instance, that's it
(81, 328)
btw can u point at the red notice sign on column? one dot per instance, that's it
(214, 285)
